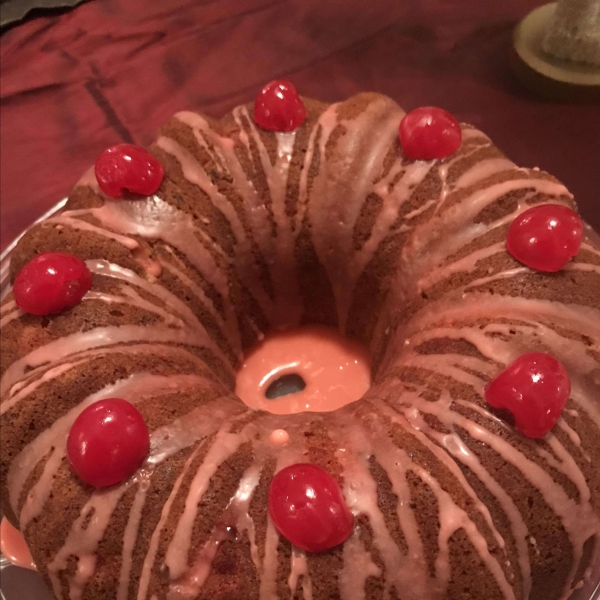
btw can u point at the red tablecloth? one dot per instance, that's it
(113, 70)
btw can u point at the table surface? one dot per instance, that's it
(113, 70)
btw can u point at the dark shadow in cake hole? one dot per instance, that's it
(285, 385)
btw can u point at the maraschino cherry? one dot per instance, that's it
(278, 107)
(108, 442)
(128, 168)
(307, 507)
(429, 132)
(535, 389)
(51, 282)
(546, 237)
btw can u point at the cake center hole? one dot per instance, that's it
(285, 385)
(305, 369)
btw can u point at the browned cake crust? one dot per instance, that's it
(330, 224)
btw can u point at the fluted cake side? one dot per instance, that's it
(329, 224)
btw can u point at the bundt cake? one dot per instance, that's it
(443, 490)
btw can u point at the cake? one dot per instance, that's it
(329, 224)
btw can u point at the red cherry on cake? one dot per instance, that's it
(108, 442)
(545, 237)
(429, 132)
(128, 168)
(307, 507)
(535, 389)
(278, 107)
(51, 282)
